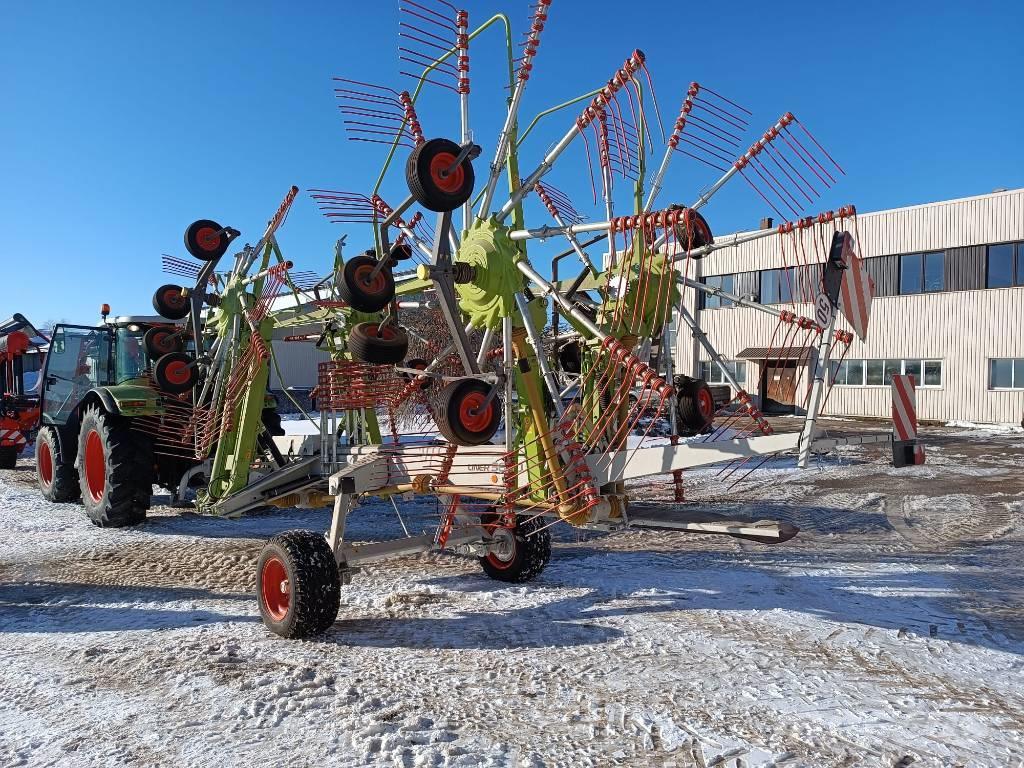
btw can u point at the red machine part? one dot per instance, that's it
(19, 412)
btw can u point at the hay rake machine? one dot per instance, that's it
(445, 381)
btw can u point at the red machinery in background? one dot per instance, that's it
(19, 408)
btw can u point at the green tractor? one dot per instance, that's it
(95, 384)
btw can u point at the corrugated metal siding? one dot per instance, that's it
(964, 328)
(885, 271)
(965, 268)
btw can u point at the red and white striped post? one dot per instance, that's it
(905, 448)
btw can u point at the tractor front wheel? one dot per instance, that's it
(298, 586)
(518, 553)
(55, 470)
(115, 470)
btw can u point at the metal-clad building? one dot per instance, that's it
(949, 300)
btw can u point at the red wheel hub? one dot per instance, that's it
(162, 341)
(706, 404)
(207, 238)
(275, 589)
(439, 165)
(369, 282)
(45, 462)
(95, 465)
(177, 372)
(387, 333)
(472, 415)
(173, 298)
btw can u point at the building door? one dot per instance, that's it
(778, 386)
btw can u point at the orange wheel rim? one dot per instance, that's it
(177, 373)
(705, 403)
(45, 461)
(95, 465)
(173, 298)
(472, 415)
(207, 239)
(439, 164)
(275, 589)
(368, 281)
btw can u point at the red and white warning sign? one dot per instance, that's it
(904, 414)
(857, 289)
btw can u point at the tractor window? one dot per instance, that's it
(78, 360)
(131, 353)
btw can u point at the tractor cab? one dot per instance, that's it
(83, 359)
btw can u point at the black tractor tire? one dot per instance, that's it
(570, 357)
(696, 407)
(205, 240)
(175, 373)
(456, 416)
(8, 457)
(298, 586)
(376, 344)
(423, 175)
(168, 302)
(115, 470)
(55, 468)
(160, 341)
(527, 553)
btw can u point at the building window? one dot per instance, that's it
(879, 373)
(1005, 265)
(711, 372)
(726, 283)
(778, 285)
(922, 272)
(1006, 373)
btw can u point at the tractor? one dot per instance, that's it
(96, 385)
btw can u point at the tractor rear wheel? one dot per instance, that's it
(696, 405)
(55, 469)
(298, 586)
(115, 470)
(520, 552)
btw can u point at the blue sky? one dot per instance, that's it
(123, 122)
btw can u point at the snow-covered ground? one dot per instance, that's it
(889, 632)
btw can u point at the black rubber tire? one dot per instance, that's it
(400, 252)
(175, 374)
(8, 457)
(531, 554)
(116, 491)
(358, 294)
(62, 484)
(695, 233)
(204, 245)
(160, 341)
(314, 584)
(367, 346)
(168, 302)
(693, 410)
(423, 183)
(570, 357)
(419, 364)
(449, 409)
